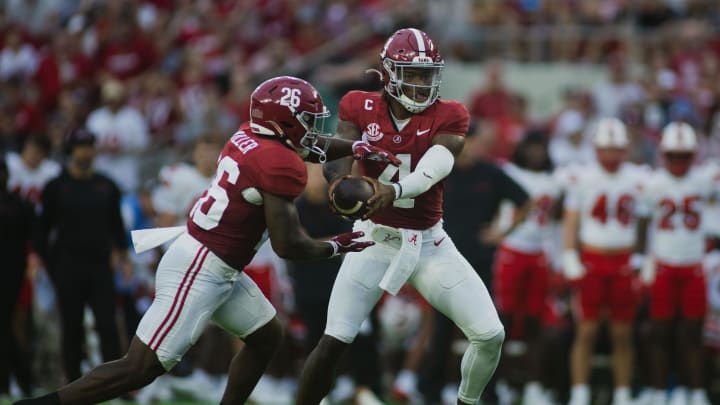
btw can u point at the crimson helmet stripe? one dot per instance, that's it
(419, 40)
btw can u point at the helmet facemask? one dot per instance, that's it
(314, 124)
(415, 85)
(611, 158)
(678, 163)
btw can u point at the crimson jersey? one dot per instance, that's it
(370, 113)
(229, 217)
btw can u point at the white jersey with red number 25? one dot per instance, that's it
(676, 206)
(607, 204)
(544, 191)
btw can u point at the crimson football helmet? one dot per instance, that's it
(292, 110)
(678, 146)
(411, 69)
(611, 143)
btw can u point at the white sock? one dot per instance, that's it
(532, 391)
(343, 390)
(621, 395)
(580, 394)
(406, 380)
(658, 396)
(698, 395)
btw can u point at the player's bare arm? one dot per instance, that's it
(435, 165)
(290, 241)
(493, 236)
(337, 167)
(348, 142)
(572, 266)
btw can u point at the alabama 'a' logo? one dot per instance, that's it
(373, 133)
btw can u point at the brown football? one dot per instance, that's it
(350, 195)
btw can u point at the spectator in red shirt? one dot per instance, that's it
(127, 53)
(494, 100)
(62, 65)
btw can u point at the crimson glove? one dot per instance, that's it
(346, 242)
(363, 150)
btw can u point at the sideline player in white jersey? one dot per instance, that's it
(426, 133)
(674, 199)
(599, 232)
(199, 279)
(31, 169)
(182, 183)
(521, 268)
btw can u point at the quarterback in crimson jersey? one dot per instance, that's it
(199, 279)
(675, 199)
(405, 219)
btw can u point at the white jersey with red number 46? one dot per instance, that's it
(180, 185)
(544, 190)
(606, 203)
(676, 206)
(27, 182)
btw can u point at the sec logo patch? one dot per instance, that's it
(372, 132)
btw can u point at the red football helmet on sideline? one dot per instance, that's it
(292, 110)
(412, 68)
(678, 146)
(611, 143)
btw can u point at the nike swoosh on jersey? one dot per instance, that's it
(423, 132)
(438, 242)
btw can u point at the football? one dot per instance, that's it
(349, 197)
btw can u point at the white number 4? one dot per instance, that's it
(291, 97)
(404, 169)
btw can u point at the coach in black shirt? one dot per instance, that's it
(80, 228)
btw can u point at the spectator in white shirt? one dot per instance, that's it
(617, 91)
(122, 134)
(17, 58)
(568, 144)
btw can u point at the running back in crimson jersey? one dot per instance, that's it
(229, 217)
(369, 112)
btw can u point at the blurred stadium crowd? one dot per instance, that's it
(157, 81)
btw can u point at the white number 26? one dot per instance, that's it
(291, 97)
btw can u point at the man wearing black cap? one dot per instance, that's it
(80, 229)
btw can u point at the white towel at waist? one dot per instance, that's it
(405, 261)
(146, 239)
